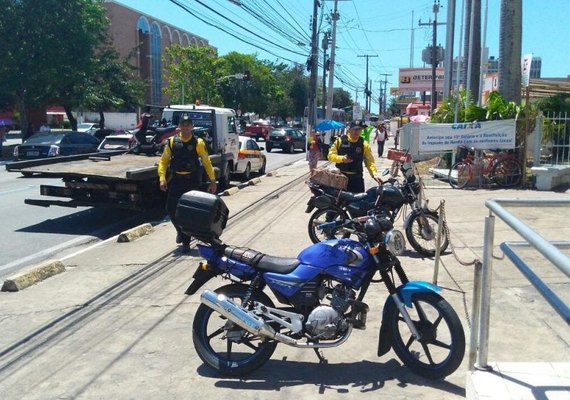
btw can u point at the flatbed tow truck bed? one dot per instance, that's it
(97, 180)
(119, 166)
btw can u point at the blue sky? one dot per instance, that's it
(381, 28)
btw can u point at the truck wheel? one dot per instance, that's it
(268, 148)
(225, 178)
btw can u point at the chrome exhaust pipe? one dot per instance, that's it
(238, 315)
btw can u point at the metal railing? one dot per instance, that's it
(479, 341)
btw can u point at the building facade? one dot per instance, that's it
(142, 39)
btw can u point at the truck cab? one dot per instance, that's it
(218, 127)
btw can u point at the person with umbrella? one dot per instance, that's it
(349, 152)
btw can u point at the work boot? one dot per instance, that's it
(185, 248)
(178, 238)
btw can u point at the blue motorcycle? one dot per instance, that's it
(237, 327)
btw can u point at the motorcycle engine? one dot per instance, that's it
(326, 321)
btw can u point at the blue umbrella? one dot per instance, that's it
(328, 124)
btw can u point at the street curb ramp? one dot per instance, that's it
(33, 275)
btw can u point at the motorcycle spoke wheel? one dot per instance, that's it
(459, 175)
(507, 173)
(440, 349)
(422, 233)
(225, 346)
(323, 216)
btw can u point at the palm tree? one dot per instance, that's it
(510, 44)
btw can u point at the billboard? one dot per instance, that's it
(419, 80)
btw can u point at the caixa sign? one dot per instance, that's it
(470, 125)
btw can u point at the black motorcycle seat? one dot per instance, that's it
(167, 129)
(347, 197)
(262, 261)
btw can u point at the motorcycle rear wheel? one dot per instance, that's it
(421, 232)
(225, 346)
(322, 216)
(441, 347)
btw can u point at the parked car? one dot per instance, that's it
(117, 142)
(52, 144)
(250, 158)
(287, 139)
(87, 127)
(259, 129)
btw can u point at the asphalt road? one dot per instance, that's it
(32, 234)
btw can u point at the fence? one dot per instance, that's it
(482, 283)
(552, 141)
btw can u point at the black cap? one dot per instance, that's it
(358, 124)
(184, 119)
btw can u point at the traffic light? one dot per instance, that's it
(246, 75)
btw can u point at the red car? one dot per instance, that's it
(258, 130)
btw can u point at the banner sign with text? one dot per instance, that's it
(480, 135)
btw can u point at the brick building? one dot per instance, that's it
(144, 38)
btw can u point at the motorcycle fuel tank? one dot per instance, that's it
(392, 196)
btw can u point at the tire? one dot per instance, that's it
(440, 350)
(422, 237)
(322, 216)
(225, 178)
(507, 173)
(290, 149)
(247, 173)
(214, 337)
(459, 175)
(262, 169)
(268, 148)
(27, 174)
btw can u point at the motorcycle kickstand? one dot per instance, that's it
(322, 359)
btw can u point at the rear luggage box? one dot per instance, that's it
(202, 215)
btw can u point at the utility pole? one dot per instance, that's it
(335, 17)
(367, 91)
(433, 54)
(314, 63)
(448, 56)
(383, 106)
(325, 45)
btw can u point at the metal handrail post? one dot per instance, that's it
(483, 336)
(475, 311)
(438, 242)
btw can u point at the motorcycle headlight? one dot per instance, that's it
(395, 242)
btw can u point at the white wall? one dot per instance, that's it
(113, 120)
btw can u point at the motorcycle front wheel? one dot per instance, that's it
(421, 232)
(225, 346)
(323, 216)
(440, 349)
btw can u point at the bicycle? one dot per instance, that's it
(501, 168)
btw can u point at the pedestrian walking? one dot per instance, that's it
(380, 136)
(314, 153)
(179, 171)
(349, 152)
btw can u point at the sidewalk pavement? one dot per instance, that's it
(99, 330)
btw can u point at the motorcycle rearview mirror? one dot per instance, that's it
(386, 172)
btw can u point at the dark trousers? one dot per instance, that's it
(355, 183)
(381, 148)
(178, 185)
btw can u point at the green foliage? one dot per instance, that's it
(554, 104)
(192, 73)
(496, 108)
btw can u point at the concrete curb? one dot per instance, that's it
(135, 233)
(32, 276)
(230, 191)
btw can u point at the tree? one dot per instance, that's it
(341, 98)
(114, 84)
(50, 51)
(192, 73)
(510, 44)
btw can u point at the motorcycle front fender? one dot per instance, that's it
(310, 205)
(413, 215)
(406, 293)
